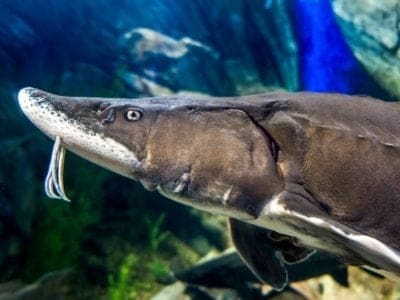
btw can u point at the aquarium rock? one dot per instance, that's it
(181, 291)
(53, 285)
(165, 61)
(372, 30)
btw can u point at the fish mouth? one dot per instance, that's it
(71, 124)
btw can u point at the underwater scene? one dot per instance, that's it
(283, 195)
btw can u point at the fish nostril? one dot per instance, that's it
(110, 117)
(103, 107)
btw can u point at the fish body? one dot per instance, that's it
(294, 172)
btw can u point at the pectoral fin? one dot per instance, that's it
(258, 253)
(265, 252)
(291, 252)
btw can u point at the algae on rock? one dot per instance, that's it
(372, 29)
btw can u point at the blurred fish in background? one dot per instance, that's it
(115, 240)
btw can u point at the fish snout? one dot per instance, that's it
(29, 95)
(74, 122)
(34, 103)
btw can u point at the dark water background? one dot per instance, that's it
(76, 47)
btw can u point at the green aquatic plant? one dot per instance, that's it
(55, 243)
(119, 287)
(158, 268)
(156, 236)
(136, 277)
(59, 227)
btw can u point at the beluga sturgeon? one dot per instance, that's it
(293, 172)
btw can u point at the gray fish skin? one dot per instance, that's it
(323, 168)
(192, 150)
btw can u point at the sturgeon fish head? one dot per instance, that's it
(203, 152)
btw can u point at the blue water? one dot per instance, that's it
(40, 39)
(327, 63)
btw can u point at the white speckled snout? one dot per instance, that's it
(76, 136)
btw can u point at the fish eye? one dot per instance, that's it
(133, 114)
